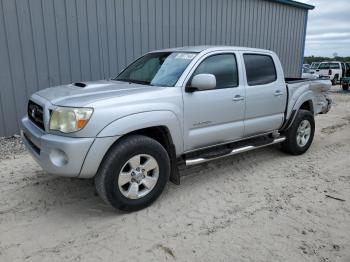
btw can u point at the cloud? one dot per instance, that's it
(328, 29)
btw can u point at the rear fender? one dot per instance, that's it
(295, 104)
(298, 99)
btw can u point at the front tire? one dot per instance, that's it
(133, 173)
(345, 87)
(300, 134)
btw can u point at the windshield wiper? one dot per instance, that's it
(133, 81)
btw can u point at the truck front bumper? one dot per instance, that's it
(57, 155)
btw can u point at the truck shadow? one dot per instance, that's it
(77, 197)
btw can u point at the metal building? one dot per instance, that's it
(50, 42)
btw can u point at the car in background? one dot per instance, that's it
(345, 82)
(314, 65)
(347, 64)
(307, 73)
(334, 69)
(306, 65)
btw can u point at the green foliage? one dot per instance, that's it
(310, 59)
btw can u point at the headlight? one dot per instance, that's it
(68, 120)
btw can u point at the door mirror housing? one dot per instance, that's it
(202, 82)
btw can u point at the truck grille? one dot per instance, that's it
(36, 114)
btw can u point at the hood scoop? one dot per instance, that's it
(79, 84)
(93, 84)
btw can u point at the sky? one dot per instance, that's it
(328, 28)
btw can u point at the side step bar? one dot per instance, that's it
(200, 160)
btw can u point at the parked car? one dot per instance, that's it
(345, 83)
(314, 66)
(306, 65)
(346, 80)
(176, 106)
(335, 70)
(308, 73)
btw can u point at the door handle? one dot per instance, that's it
(278, 93)
(238, 98)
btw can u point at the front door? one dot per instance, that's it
(215, 116)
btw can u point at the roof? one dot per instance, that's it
(295, 4)
(201, 48)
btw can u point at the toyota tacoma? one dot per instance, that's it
(180, 106)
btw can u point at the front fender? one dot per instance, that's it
(143, 120)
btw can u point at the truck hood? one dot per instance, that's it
(81, 94)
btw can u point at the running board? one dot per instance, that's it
(200, 160)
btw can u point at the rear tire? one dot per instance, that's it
(133, 173)
(300, 134)
(345, 87)
(335, 80)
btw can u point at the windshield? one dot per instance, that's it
(157, 69)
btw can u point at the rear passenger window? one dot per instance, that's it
(260, 69)
(223, 67)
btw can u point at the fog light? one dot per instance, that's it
(58, 157)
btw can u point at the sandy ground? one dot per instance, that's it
(260, 206)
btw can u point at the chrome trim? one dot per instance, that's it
(46, 105)
(196, 161)
(228, 142)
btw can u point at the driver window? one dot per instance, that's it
(223, 67)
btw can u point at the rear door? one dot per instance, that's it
(266, 94)
(215, 116)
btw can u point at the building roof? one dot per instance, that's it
(295, 4)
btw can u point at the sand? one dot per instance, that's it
(263, 205)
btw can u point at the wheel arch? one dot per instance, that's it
(305, 102)
(307, 105)
(162, 126)
(152, 123)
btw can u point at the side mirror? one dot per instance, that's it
(202, 82)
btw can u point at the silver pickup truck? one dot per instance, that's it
(176, 106)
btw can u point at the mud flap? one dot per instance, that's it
(174, 172)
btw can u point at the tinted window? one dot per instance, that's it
(329, 66)
(260, 69)
(223, 67)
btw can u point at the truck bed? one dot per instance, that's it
(315, 88)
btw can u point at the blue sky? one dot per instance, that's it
(328, 29)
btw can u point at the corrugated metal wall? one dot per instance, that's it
(50, 42)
